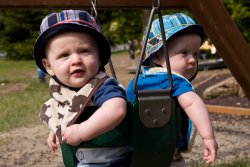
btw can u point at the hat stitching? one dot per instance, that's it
(73, 21)
(160, 39)
(169, 30)
(64, 17)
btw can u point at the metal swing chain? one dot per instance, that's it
(165, 49)
(94, 14)
(93, 9)
(155, 9)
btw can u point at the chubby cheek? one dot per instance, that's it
(94, 65)
(60, 69)
(175, 67)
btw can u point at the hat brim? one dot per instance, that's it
(39, 47)
(196, 29)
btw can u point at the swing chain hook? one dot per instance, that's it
(155, 10)
(93, 9)
(156, 4)
(94, 14)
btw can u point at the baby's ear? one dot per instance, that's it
(155, 59)
(47, 66)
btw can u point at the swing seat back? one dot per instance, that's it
(153, 129)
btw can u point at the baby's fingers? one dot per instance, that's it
(209, 157)
(52, 141)
(205, 153)
(213, 155)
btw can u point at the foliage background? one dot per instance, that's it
(19, 28)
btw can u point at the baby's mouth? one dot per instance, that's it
(78, 72)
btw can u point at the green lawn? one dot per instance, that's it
(21, 94)
(234, 163)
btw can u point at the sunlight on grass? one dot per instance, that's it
(21, 94)
(119, 53)
(21, 108)
(234, 163)
(13, 70)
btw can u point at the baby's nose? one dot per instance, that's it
(76, 59)
(192, 59)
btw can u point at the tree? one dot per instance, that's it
(240, 14)
(18, 31)
(119, 26)
(19, 28)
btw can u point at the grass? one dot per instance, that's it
(21, 94)
(234, 163)
(119, 53)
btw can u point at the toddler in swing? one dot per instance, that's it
(183, 38)
(73, 51)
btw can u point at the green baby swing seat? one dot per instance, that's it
(151, 145)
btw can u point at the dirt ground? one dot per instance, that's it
(25, 147)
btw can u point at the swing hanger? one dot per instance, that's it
(94, 14)
(155, 10)
(155, 106)
(156, 4)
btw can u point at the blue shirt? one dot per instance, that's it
(109, 89)
(157, 78)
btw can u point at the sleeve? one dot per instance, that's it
(109, 89)
(180, 86)
(129, 92)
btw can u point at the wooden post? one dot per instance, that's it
(230, 43)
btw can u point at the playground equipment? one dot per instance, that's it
(229, 42)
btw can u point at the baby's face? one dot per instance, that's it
(73, 58)
(183, 52)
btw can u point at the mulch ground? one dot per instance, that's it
(232, 100)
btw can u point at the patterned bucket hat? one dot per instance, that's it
(173, 24)
(69, 20)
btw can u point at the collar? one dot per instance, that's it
(152, 71)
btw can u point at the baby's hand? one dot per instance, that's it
(52, 141)
(71, 135)
(210, 150)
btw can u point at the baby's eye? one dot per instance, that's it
(63, 55)
(195, 55)
(185, 53)
(83, 51)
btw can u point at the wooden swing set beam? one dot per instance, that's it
(211, 14)
(226, 36)
(101, 4)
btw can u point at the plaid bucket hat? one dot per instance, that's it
(69, 20)
(173, 24)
